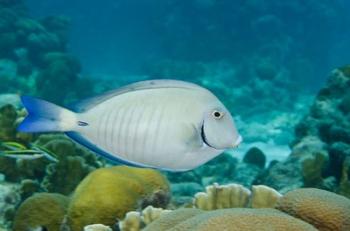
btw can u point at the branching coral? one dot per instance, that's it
(74, 163)
(236, 196)
(264, 197)
(97, 227)
(225, 196)
(134, 221)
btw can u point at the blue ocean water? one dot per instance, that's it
(280, 67)
(112, 37)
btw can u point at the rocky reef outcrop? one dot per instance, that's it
(33, 56)
(321, 149)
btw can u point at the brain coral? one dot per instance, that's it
(108, 193)
(236, 219)
(325, 210)
(44, 210)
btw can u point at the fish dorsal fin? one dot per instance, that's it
(85, 105)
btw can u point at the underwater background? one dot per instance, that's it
(280, 67)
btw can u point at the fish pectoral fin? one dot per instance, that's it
(191, 136)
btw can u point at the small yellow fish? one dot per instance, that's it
(19, 151)
(12, 145)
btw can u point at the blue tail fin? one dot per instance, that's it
(44, 116)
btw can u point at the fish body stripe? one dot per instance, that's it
(130, 124)
(111, 121)
(148, 127)
(99, 125)
(136, 132)
(121, 132)
(107, 127)
(157, 131)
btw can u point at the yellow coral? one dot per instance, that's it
(325, 210)
(133, 220)
(97, 227)
(45, 210)
(109, 193)
(235, 196)
(149, 214)
(171, 219)
(236, 219)
(222, 196)
(264, 197)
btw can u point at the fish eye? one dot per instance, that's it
(217, 114)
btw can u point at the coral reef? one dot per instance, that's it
(226, 196)
(9, 198)
(236, 196)
(33, 56)
(43, 210)
(300, 209)
(255, 156)
(223, 169)
(324, 210)
(109, 193)
(104, 196)
(319, 156)
(27, 188)
(216, 197)
(16, 170)
(97, 227)
(264, 197)
(74, 163)
(60, 71)
(261, 89)
(229, 219)
(31, 175)
(8, 117)
(185, 184)
(170, 220)
(11, 114)
(322, 144)
(134, 221)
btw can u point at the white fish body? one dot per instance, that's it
(158, 124)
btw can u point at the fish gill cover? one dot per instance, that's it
(269, 62)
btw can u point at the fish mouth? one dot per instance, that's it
(238, 141)
(204, 138)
